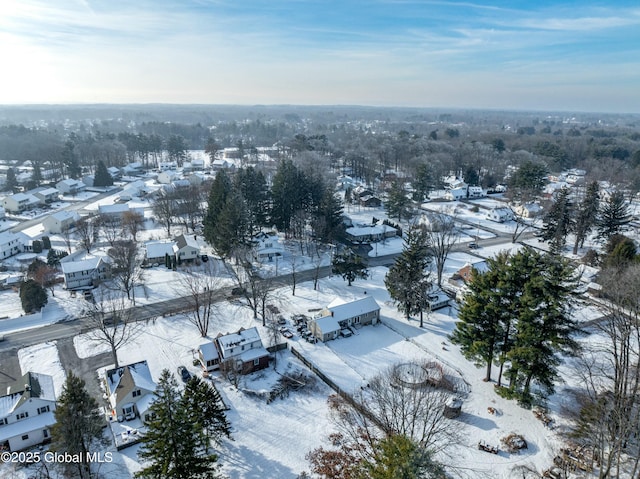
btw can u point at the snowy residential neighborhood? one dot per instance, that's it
(463, 318)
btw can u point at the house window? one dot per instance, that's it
(3, 421)
(25, 437)
(45, 433)
(256, 361)
(136, 393)
(43, 409)
(22, 415)
(356, 320)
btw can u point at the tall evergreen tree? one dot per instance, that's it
(586, 216)
(204, 404)
(253, 186)
(288, 194)
(327, 223)
(172, 443)
(422, 182)
(614, 215)
(221, 188)
(232, 228)
(559, 221)
(479, 330)
(70, 160)
(102, 176)
(408, 279)
(350, 266)
(32, 296)
(545, 328)
(12, 181)
(397, 204)
(78, 425)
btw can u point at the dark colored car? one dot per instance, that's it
(204, 258)
(184, 374)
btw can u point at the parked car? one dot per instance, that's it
(345, 333)
(287, 334)
(205, 258)
(473, 245)
(184, 373)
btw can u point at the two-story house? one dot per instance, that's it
(60, 221)
(339, 315)
(131, 390)
(242, 352)
(85, 274)
(46, 195)
(26, 412)
(70, 186)
(10, 244)
(20, 202)
(266, 247)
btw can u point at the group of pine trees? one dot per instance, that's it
(580, 217)
(180, 429)
(240, 204)
(517, 315)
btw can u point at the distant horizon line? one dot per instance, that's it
(305, 105)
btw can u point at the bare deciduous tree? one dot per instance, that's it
(111, 228)
(199, 289)
(132, 224)
(609, 419)
(442, 234)
(126, 268)
(111, 321)
(87, 230)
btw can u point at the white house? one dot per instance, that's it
(135, 189)
(133, 169)
(209, 356)
(243, 351)
(10, 244)
(475, 192)
(167, 177)
(20, 202)
(131, 390)
(186, 248)
(26, 412)
(500, 215)
(46, 195)
(528, 210)
(60, 221)
(455, 194)
(339, 314)
(115, 172)
(370, 233)
(70, 186)
(266, 247)
(156, 251)
(118, 210)
(86, 273)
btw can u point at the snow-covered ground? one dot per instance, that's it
(271, 440)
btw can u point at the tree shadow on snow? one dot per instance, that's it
(244, 463)
(480, 422)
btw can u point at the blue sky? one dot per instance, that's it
(542, 55)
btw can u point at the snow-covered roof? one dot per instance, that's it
(30, 385)
(327, 324)
(24, 426)
(158, 249)
(242, 337)
(88, 264)
(64, 214)
(209, 351)
(113, 209)
(138, 372)
(184, 240)
(365, 230)
(355, 308)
